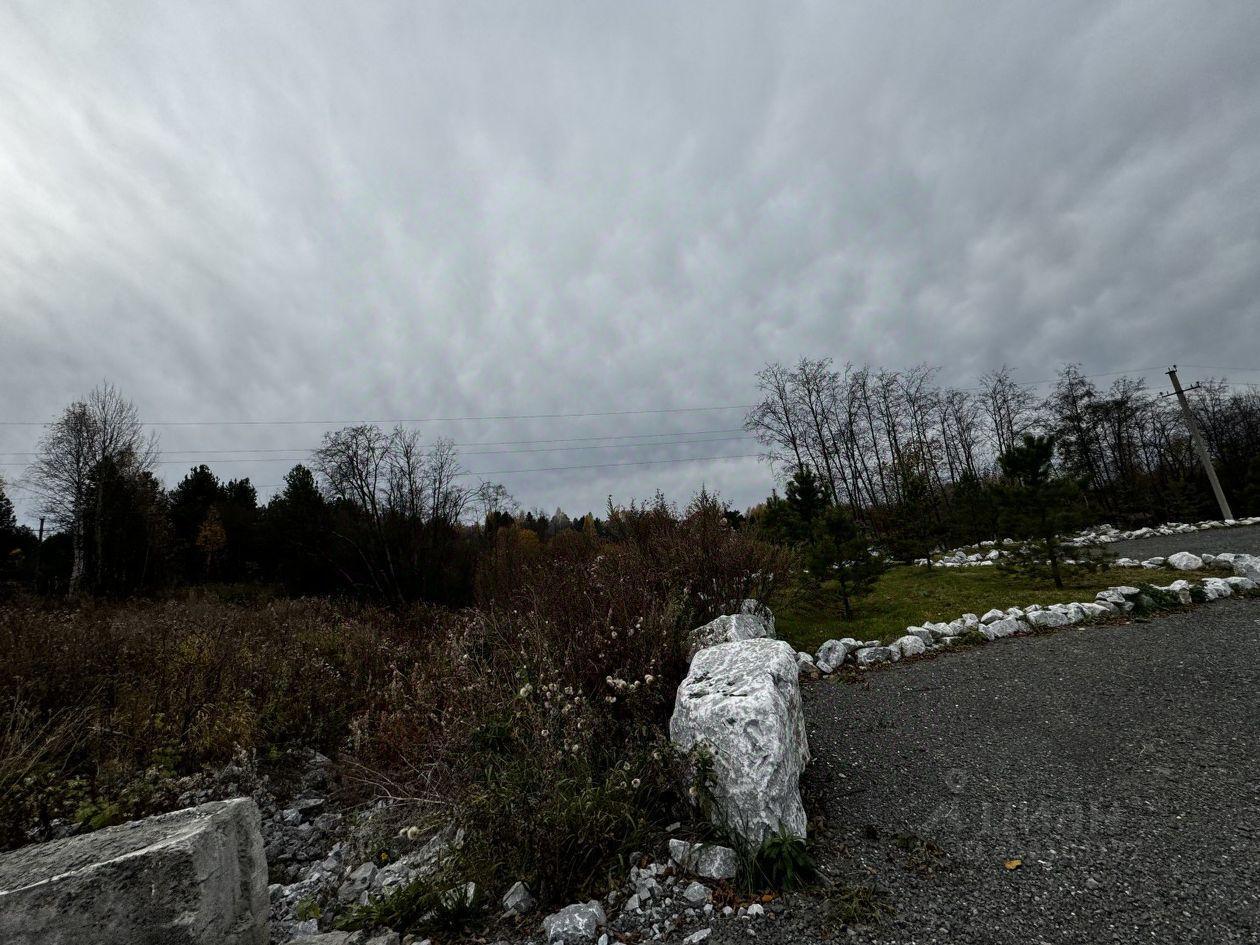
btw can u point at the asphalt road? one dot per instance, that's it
(1120, 765)
(1241, 538)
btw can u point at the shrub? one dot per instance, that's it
(540, 716)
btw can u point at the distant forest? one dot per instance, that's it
(902, 453)
(378, 514)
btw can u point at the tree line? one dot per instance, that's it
(376, 513)
(888, 460)
(916, 464)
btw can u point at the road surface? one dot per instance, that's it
(1119, 765)
(1240, 538)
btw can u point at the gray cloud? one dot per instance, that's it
(415, 210)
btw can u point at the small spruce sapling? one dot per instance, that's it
(1038, 505)
(825, 535)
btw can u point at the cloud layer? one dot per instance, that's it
(402, 210)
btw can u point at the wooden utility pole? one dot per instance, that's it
(1200, 447)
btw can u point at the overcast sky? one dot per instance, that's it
(377, 210)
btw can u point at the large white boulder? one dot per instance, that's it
(923, 633)
(741, 701)
(193, 877)
(727, 629)
(1185, 561)
(1003, 628)
(1214, 587)
(1048, 618)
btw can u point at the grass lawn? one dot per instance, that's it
(907, 596)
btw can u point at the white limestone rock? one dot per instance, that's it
(1247, 566)
(1048, 618)
(873, 655)
(741, 702)
(990, 616)
(706, 860)
(196, 876)
(831, 655)
(924, 635)
(1185, 561)
(911, 645)
(729, 628)
(697, 894)
(1215, 588)
(577, 924)
(758, 609)
(1002, 628)
(518, 900)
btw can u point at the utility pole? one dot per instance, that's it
(39, 553)
(1200, 447)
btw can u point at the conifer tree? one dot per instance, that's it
(1038, 505)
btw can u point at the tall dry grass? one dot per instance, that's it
(536, 719)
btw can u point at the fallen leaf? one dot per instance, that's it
(1013, 864)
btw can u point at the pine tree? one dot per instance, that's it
(825, 535)
(1038, 505)
(838, 550)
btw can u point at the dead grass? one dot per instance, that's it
(538, 715)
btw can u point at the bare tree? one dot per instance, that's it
(102, 428)
(407, 498)
(1010, 408)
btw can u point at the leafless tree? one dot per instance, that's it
(102, 428)
(402, 491)
(1011, 408)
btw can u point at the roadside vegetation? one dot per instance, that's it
(539, 714)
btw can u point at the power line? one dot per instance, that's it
(508, 472)
(646, 462)
(518, 416)
(573, 439)
(547, 449)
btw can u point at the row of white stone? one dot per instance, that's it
(1105, 534)
(1100, 535)
(1003, 623)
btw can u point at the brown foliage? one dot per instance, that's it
(540, 714)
